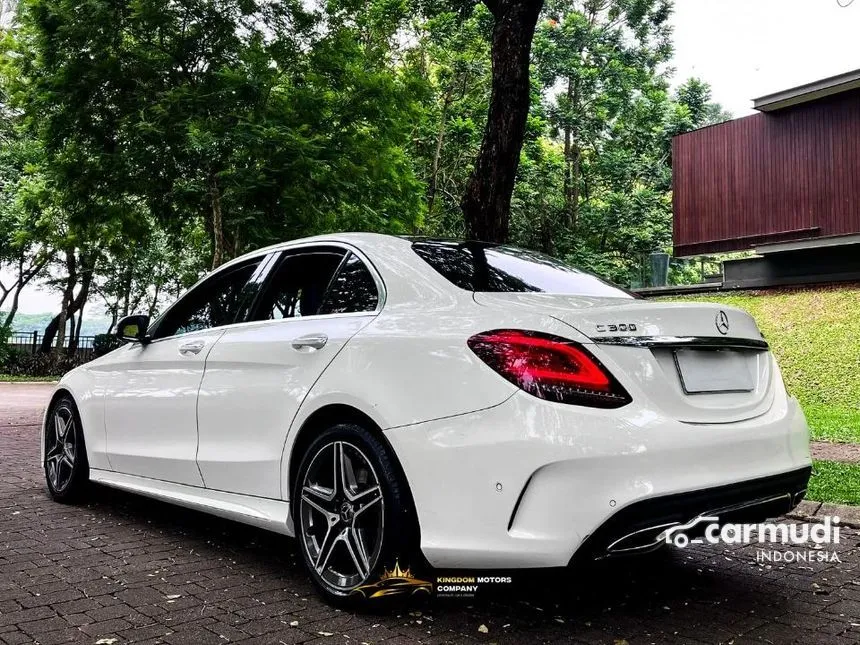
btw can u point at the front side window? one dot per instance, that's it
(221, 299)
(352, 290)
(477, 266)
(298, 284)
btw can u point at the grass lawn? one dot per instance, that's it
(815, 334)
(835, 483)
(25, 379)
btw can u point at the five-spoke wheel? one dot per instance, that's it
(66, 467)
(342, 515)
(351, 511)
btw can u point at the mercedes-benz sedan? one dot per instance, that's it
(389, 400)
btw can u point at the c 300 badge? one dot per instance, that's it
(617, 327)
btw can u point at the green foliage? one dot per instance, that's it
(694, 108)
(835, 483)
(5, 348)
(22, 364)
(813, 333)
(248, 118)
(604, 101)
(104, 343)
(144, 141)
(691, 109)
(452, 59)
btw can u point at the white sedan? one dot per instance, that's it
(388, 400)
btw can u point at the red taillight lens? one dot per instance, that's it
(549, 367)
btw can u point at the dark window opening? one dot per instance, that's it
(477, 266)
(297, 286)
(352, 290)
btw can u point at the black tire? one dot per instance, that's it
(66, 483)
(399, 535)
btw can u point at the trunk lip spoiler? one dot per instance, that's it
(713, 342)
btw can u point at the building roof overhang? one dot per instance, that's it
(808, 92)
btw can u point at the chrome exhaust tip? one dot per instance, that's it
(644, 540)
(653, 537)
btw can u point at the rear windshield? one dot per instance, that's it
(476, 266)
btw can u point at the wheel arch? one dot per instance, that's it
(59, 392)
(324, 417)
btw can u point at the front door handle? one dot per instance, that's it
(191, 347)
(310, 342)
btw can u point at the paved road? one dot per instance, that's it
(126, 568)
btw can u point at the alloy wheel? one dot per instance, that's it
(342, 515)
(61, 448)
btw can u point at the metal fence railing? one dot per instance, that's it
(30, 341)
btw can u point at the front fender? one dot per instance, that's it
(88, 395)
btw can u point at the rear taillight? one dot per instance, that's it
(549, 367)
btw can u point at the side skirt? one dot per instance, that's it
(269, 514)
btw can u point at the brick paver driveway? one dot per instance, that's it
(126, 568)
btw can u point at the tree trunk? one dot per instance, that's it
(49, 335)
(68, 297)
(154, 303)
(437, 155)
(572, 155)
(217, 223)
(75, 303)
(487, 202)
(70, 344)
(10, 316)
(126, 289)
(75, 340)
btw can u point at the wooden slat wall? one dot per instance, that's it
(770, 177)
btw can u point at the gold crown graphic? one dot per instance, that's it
(396, 572)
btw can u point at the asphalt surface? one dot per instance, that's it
(121, 568)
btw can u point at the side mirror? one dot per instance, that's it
(133, 329)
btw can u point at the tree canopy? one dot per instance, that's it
(146, 141)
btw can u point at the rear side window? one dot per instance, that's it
(477, 266)
(298, 284)
(352, 290)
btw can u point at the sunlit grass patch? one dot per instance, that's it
(835, 483)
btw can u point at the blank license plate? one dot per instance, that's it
(722, 370)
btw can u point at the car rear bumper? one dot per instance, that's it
(639, 527)
(530, 483)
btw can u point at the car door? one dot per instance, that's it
(151, 389)
(257, 375)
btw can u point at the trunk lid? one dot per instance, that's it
(595, 317)
(698, 362)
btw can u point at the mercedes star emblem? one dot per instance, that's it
(722, 322)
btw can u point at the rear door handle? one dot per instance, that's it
(191, 347)
(310, 342)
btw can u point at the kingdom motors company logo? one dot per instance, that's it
(709, 530)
